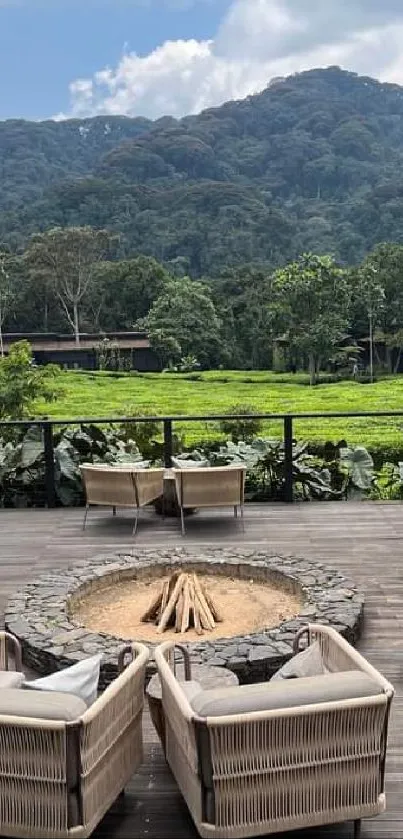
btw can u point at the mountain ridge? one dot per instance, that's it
(313, 162)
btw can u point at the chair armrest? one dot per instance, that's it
(339, 655)
(179, 715)
(114, 711)
(9, 643)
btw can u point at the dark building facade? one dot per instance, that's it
(112, 350)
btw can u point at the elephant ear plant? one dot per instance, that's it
(358, 466)
(22, 463)
(264, 460)
(388, 483)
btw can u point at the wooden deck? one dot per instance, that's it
(364, 540)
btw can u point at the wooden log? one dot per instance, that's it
(186, 607)
(204, 609)
(164, 600)
(169, 608)
(206, 619)
(172, 581)
(194, 609)
(184, 602)
(179, 611)
(212, 606)
(152, 611)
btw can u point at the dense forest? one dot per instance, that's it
(314, 163)
(264, 232)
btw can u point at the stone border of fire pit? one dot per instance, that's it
(39, 614)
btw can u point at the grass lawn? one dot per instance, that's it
(102, 395)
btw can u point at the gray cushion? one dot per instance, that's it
(41, 705)
(190, 689)
(309, 662)
(11, 679)
(268, 696)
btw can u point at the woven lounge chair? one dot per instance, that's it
(266, 758)
(60, 771)
(217, 486)
(121, 486)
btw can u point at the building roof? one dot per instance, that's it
(54, 342)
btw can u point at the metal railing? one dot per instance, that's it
(47, 426)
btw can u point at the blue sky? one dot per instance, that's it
(61, 58)
(45, 45)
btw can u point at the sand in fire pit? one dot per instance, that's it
(245, 606)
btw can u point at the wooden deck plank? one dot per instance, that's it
(364, 540)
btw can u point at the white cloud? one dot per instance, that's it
(256, 41)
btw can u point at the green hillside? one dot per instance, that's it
(315, 162)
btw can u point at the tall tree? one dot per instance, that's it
(371, 294)
(310, 308)
(238, 295)
(6, 290)
(68, 259)
(382, 272)
(124, 291)
(184, 320)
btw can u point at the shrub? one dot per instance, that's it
(241, 429)
(21, 382)
(143, 433)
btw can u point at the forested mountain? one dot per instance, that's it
(315, 162)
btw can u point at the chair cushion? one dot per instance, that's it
(309, 662)
(41, 705)
(11, 679)
(270, 696)
(80, 679)
(191, 689)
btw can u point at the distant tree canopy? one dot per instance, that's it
(312, 164)
(312, 308)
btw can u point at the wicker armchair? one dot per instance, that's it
(216, 486)
(301, 763)
(58, 778)
(121, 486)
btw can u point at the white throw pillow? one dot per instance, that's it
(309, 662)
(80, 679)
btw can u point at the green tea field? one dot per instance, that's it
(104, 395)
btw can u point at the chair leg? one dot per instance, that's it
(235, 512)
(114, 511)
(182, 522)
(87, 507)
(357, 828)
(136, 521)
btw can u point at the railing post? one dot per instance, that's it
(288, 482)
(49, 465)
(168, 443)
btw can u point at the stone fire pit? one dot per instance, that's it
(40, 614)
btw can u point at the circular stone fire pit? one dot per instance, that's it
(41, 614)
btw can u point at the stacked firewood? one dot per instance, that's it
(184, 603)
